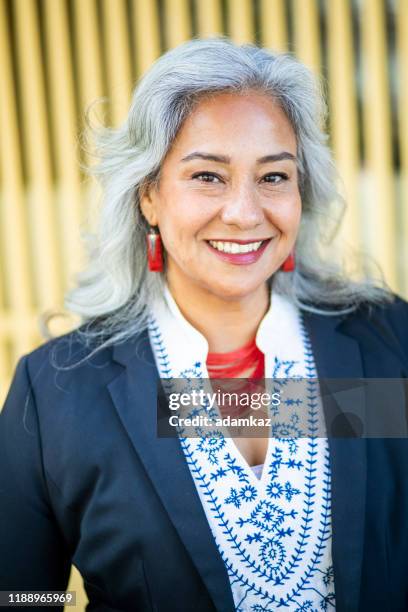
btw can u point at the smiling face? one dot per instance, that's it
(227, 204)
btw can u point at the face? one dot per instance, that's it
(227, 204)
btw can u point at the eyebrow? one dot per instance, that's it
(223, 159)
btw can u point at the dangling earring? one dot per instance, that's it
(154, 250)
(289, 264)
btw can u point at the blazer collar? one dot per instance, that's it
(134, 393)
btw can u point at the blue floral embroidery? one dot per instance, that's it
(235, 469)
(211, 447)
(328, 577)
(307, 606)
(327, 601)
(288, 430)
(275, 490)
(283, 368)
(245, 494)
(269, 525)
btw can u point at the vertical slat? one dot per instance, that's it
(146, 32)
(343, 110)
(177, 22)
(117, 57)
(402, 49)
(209, 18)
(64, 122)
(240, 21)
(90, 72)
(5, 368)
(4, 360)
(87, 41)
(41, 213)
(13, 222)
(380, 203)
(274, 31)
(306, 32)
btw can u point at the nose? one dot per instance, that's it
(242, 209)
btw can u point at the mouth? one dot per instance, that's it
(237, 246)
(239, 251)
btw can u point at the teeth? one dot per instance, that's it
(234, 247)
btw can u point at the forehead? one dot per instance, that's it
(235, 123)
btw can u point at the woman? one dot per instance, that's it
(219, 194)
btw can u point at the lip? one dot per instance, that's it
(238, 241)
(240, 259)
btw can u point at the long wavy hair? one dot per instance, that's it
(114, 291)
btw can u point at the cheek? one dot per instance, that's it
(180, 229)
(297, 215)
(287, 217)
(183, 216)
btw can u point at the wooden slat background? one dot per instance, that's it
(59, 56)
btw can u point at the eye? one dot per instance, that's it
(206, 177)
(275, 178)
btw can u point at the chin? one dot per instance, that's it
(233, 291)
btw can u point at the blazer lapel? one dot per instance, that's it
(338, 356)
(134, 393)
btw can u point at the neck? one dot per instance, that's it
(237, 319)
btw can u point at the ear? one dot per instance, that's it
(148, 204)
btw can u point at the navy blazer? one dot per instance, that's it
(85, 480)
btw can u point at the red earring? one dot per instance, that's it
(289, 264)
(154, 250)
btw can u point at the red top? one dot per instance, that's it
(234, 363)
(249, 360)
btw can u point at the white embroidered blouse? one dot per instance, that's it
(273, 531)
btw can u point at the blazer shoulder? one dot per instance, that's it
(388, 321)
(68, 358)
(68, 347)
(394, 313)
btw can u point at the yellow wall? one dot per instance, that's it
(57, 56)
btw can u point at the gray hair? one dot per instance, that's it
(113, 293)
